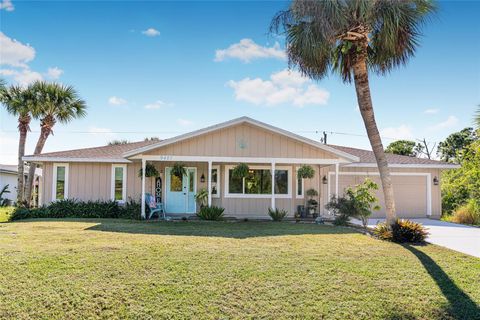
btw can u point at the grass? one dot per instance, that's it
(111, 269)
(5, 213)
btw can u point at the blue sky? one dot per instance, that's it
(165, 68)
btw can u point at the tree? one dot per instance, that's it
(450, 150)
(18, 102)
(118, 142)
(55, 103)
(404, 148)
(351, 38)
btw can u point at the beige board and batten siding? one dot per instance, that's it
(243, 140)
(410, 189)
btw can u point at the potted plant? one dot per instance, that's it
(240, 170)
(178, 170)
(306, 172)
(312, 203)
(202, 198)
(150, 171)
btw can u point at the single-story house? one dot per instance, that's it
(9, 176)
(210, 155)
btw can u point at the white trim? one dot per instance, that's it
(257, 196)
(427, 175)
(299, 196)
(399, 165)
(144, 168)
(209, 184)
(239, 159)
(272, 171)
(54, 181)
(237, 121)
(124, 182)
(217, 167)
(65, 159)
(336, 180)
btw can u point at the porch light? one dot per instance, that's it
(202, 178)
(435, 181)
(324, 180)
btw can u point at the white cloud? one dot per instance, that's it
(116, 101)
(397, 133)
(184, 122)
(7, 5)
(151, 32)
(284, 87)
(54, 73)
(23, 77)
(8, 151)
(247, 50)
(157, 105)
(449, 123)
(431, 111)
(101, 131)
(15, 53)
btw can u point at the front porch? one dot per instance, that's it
(246, 198)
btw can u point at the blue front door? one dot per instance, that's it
(180, 192)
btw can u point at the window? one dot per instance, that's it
(119, 183)
(300, 187)
(176, 183)
(191, 180)
(60, 181)
(258, 183)
(215, 181)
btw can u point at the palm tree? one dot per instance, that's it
(55, 102)
(18, 101)
(351, 38)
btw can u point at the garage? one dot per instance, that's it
(412, 191)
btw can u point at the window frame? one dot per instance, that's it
(299, 196)
(219, 185)
(124, 183)
(227, 194)
(54, 181)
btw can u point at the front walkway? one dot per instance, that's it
(454, 236)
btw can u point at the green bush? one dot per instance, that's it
(70, 208)
(277, 214)
(468, 213)
(401, 231)
(211, 213)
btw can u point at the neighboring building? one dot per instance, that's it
(210, 154)
(8, 176)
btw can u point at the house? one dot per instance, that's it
(210, 155)
(9, 175)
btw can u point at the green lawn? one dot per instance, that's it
(120, 269)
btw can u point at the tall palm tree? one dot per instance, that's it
(351, 38)
(18, 101)
(55, 103)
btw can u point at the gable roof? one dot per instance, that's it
(110, 153)
(241, 120)
(367, 159)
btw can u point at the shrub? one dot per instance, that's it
(401, 231)
(70, 208)
(240, 171)
(358, 203)
(277, 214)
(306, 172)
(469, 213)
(211, 213)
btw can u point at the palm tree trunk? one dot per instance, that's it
(23, 124)
(46, 129)
(366, 109)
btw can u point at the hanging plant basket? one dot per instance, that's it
(178, 170)
(240, 170)
(306, 172)
(150, 171)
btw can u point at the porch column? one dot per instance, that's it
(273, 185)
(144, 164)
(336, 179)
(210, 183)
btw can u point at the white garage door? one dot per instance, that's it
(410, 192)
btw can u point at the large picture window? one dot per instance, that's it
(119, 183)
(60, 181)
(258, 183)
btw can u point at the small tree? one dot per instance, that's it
(358, 202)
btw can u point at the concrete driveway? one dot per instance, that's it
(449, 235)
